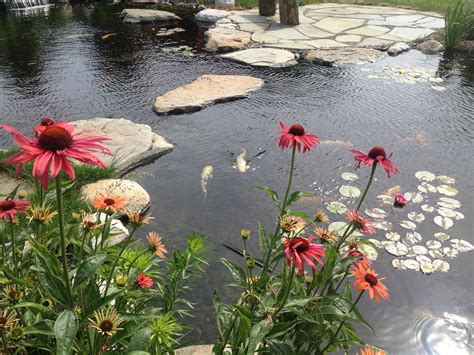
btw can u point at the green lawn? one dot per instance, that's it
(432, 5)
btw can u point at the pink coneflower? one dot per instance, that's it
(144, 281)
(360, 224)
(400, 201)
(10, 207)
(295, 135)
(300, 251)
(376, 155)
(53, 148)
(362, 261)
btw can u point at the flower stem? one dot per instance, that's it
(59, 197)
(282, 211)
(288, 289)
(12, 231)
(135, 259)
(290, 179)
(107, 285)
(342, 323)
(372, 173)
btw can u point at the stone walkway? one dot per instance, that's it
(340, 25)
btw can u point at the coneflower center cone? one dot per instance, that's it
(55, 138)
(47, 122)
(377, 152)
(3, 321)
(6, 205)
(371, 279)
(109, 201)
(303, 244)
(297, 130)
(106, 326)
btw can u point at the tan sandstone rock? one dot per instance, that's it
(222, 39)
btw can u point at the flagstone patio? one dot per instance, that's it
(340, 25)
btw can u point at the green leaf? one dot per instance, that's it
(87, 268)
(278, 347)
(271, 193)
(31, 305)
(139, 353)
(258, 332)
(139, 341)
(65, 329)
(236, 271)
(263, 240)
(44, 327)
(90, 308)
(295, 196)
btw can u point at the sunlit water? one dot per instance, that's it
(56, 64)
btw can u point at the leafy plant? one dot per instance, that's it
(459, 20)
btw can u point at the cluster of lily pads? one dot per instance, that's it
(407, 75)
(435, 201)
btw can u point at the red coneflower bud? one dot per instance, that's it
(377, 152)
(297, 130)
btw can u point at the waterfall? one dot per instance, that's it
(25, 4)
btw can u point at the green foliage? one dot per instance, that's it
(459, 20)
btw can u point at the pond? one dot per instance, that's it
(59, 63)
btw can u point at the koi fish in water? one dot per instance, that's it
(240, 163)
(206, 175)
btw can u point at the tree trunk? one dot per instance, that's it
(266, 7)
(289, 12)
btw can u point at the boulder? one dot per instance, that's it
(211, 15)
(144, 15)
(135, 197)
(430, 46)
(263, 57)
(195, 350)
(225, 23)
(128, 152)
(8, 183)
(397, 48)
(344, 55)
(206, 90)
(224, 40)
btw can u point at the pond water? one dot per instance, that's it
(56, 63)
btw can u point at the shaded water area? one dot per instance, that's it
(57, 63)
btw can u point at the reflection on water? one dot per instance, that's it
(59, 65)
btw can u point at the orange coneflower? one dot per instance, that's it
(321, 217)
(108, 202)
(366, 279)
(154, 241)
(291, 223)
(370, 350)
(325, 235)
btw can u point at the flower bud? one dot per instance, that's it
(76, 217)
(245, 233)
(22, 194)
(400, 201)
(250, 263)
(121, 280)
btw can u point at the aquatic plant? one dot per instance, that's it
(66, 288)
(304, 305)
(459, 20)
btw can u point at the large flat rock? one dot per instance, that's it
(344, 55)
(211, 15)
(223, 39)
(206, 90)
(132, 144)
(135, 197)
(263, 57)
(8, 183)
(144, 15)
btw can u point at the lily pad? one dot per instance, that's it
(447, 190)
(464, 246)
(450, 252)
(382, 225)
(386, 199)
(338, 228)
(425, 187)
(412, 238)
(449, 203)
(396, 248)
(443, 222)
(441, 236)
(411, 264)
(427, 208)
(414, 197)
(422, 189)
(408, 225)
(349, 191)
(349, 176)
(425, 176)
(446, 212)
(392, 236)
(422, 259)
(440, 265)
(336, 207)
(377, 243)
(446, 179)
(436, 254)
(458, 216)
(369, 251)
(433, 244)
(419, 250)
(397, 264)
(416, 217)
(376, 213)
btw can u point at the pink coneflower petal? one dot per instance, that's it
(55, 144)
(376, 154)
(300, 251)
(361, 224)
